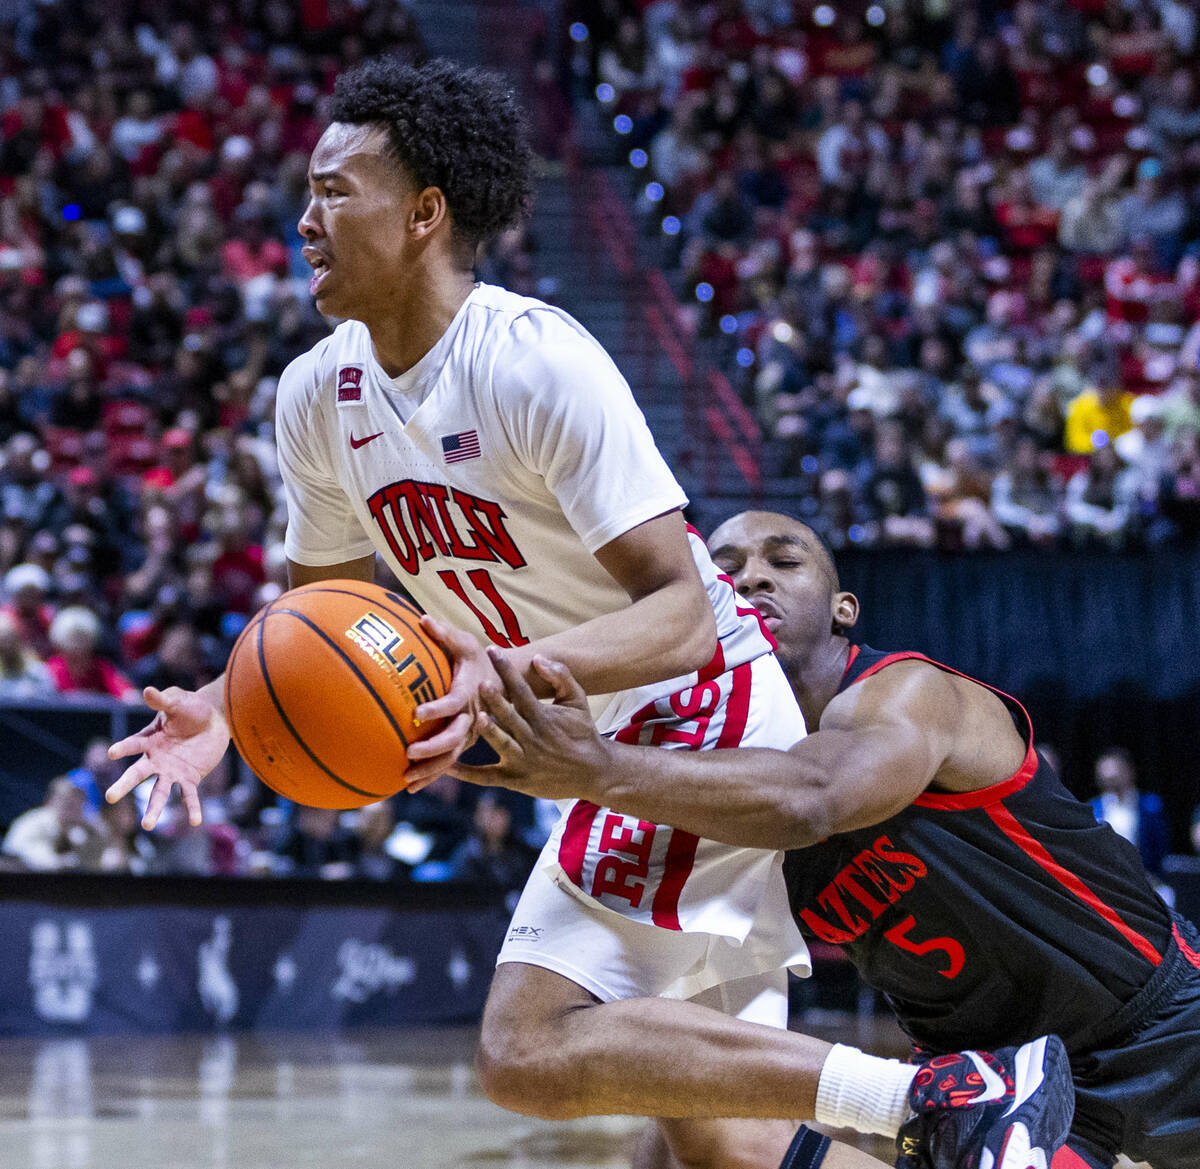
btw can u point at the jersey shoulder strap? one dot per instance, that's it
(865, 661)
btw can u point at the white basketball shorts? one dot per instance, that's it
(627, 909)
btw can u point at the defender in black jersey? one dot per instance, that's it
(928, 838)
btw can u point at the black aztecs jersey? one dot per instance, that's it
(986, 917)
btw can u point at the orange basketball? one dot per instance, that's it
(322, 689)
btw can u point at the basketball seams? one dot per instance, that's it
(287, 722)
(404, 614)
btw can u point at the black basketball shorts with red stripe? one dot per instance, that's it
(1137, 1078)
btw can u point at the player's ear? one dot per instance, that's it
(845, 610)
(429, 212)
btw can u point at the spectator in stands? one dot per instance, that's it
(315, 843)
(127, 848)
(373, 826)
(26, 493)
(1098, 416)
(179, 660)
(1136, 815)
(494, 854)
(57, 835)
(27, 588)
(1100, 501)
(75, 666)
(1092, 220)
(22, 672)
(894, 493)
(1180, 498)
(1027, 497)
(1181, 403)
(960, 495)
(1057, 177)
(1155, 211)
(440, 813)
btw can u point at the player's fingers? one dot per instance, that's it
(502, 712)
(455, 640)
(191, 801)
(496, 737)
(159, 794)
(493, 775)
(450, 704)
(133, 744)
(567, 691)
(423, 774)
(452, 739)
(518, 690)
(134, 774)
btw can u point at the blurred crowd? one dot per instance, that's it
(153, 160)
(947, 252)
(448, 831)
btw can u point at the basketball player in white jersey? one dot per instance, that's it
(487, 448)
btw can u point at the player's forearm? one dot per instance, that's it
(666, 634)
(752, 797)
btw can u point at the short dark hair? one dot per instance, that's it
(451, 127)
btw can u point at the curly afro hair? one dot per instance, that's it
(450, 127)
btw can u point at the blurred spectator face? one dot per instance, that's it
(21, 461)
(1115, 774)
(319, 823)
(74, 633)
(68, 803)
(375, 824)
(121, 818)
(180, 650)
(890, 447)
(12, 653)
(493, 820)
(27, 590)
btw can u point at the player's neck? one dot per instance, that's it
(416, 319)
(815, 678)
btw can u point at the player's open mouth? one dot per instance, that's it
(320, 271)
(768, 611)
(320, 267)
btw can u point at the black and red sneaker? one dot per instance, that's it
(1011, 1109)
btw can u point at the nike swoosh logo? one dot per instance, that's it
(993, 1085)
(355, 443)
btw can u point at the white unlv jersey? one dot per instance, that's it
(487, 476)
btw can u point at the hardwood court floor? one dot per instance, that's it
(395, 1099)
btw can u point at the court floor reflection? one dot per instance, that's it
(407, 1099)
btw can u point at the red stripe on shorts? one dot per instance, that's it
(573, 847)
(1184, 948)
(1068, 1159)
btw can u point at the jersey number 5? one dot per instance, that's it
(955, 954)
(482, 582)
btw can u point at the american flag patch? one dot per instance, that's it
(457, 448)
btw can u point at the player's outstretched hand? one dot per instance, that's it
(460, 704)
(184, 742)
(554, 752)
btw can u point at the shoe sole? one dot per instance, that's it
(1032, 1136)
